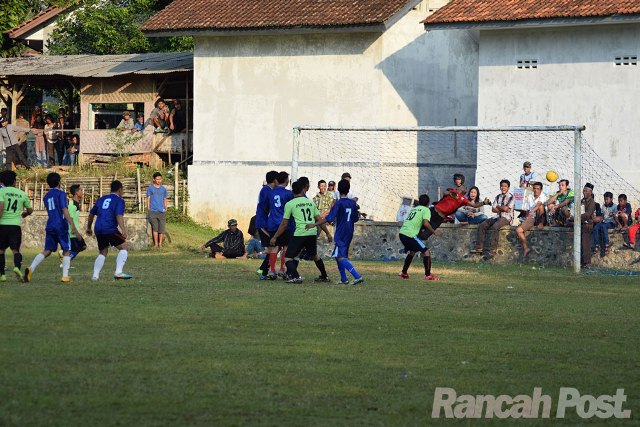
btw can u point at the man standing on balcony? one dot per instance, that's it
(157, 197)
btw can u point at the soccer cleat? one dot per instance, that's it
(66, 280)
(282, 274)
(27, 275)
(358, 280)
(259, 273)
(431, 277)
(322, 279)
(122, 276)
(272, 276)
(295, 280)
(3, 278)
(403, 275)
(18, 274)
(343, 282)
(94, 279)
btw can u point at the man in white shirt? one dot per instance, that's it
(535, 216)
(503, 207)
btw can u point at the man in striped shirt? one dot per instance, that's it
(503, 207)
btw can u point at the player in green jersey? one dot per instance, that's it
(303, 211)
(417, 218)
(14, 205)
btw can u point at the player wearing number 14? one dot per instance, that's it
(13, 203)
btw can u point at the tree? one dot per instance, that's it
(110, 27)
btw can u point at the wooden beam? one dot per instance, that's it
(161, 87)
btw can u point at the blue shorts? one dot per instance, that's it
(340, 251)
(55, 237)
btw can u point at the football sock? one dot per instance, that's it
(97, 265)
(66, 263)
(273, 257)
(320, 265)
(73, 254)
(343, 273)
(297, 261)
(120, 260)
(291, 269)
(346, 264)
(265, 265)
(2, 264)
(282, 260)
(407, 263)
(426, 260)
(17, 260)
(36, 261)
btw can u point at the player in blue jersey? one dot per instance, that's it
(57, 229)
(278, 197)
(262, 215)
(110, 230)
(345, 214)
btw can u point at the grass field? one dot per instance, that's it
(192, 341)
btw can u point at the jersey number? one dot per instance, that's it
(105, 204)
(12, 207)
(306, 213)
(51, 205)
(348, 211)
(412, 215)
(277, 202)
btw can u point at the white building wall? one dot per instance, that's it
(250, 91)
(576, 82)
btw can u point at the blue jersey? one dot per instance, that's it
(278, 197)
(262, 211)
(54, 201)
(107, 208)
(345, 213)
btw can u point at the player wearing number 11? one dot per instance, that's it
(14, 205)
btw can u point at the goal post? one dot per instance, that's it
(389, 163)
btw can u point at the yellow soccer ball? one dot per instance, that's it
(552, 176)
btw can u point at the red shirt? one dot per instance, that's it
(451, 201)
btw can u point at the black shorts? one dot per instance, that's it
(77, 245)
(435, 221)
(283, 240)
(264, 238)
(10, 237)
(298, 243)
(413, 244)
(106, 240)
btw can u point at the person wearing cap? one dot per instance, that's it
(232, 239)
(586, 218)
(127, 122)
(331, 189)
(351, 194)
(10, 144)
(528, 176)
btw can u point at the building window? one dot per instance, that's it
(523, 64)
(626, 60)
(108, 116)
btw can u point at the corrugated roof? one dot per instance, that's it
(97, 65)
(466, 11)
(241, 15)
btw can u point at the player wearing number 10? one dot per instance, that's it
(110, 230)
(12, 203)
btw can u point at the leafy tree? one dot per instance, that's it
(15, 12)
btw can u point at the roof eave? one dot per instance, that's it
(535, 23)
(363, 28)
(44, 19)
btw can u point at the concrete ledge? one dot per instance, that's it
(552, 246)
(33, 231)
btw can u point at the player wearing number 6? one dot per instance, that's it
(417, 218)
(13, 203)
(110, 230)
(345, 214)
(304, 211)
(57, 229)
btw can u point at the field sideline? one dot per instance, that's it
(192, 341)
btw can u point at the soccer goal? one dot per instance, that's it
(390, 164)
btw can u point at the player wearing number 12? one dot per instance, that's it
(417, 218)
(304, 211)
(13, 203)
(110, 230)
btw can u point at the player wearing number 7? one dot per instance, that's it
(345, 214)
(13, 201)
(57, 229)
(110, 230)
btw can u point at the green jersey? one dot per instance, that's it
(15, 201)
(569, 196)
(412, 225)
(304, 211)
(74, 213)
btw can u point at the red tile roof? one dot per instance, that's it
(38, 19)
(230, 15)
(459, 11)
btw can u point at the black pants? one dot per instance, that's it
(216, 248)
(59, 150)
(15, 155)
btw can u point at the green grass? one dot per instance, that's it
(193, 341)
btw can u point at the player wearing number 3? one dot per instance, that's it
(14, 205)
(57, 230)
(110, 230)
